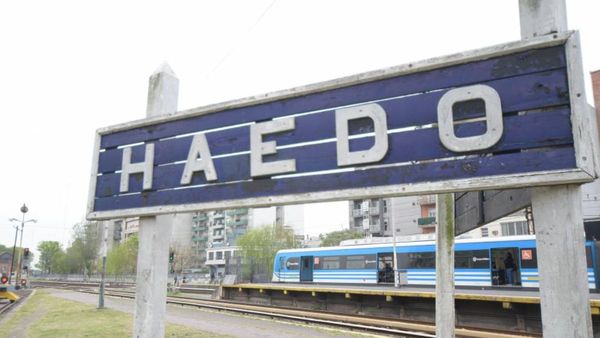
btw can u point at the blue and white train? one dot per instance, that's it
(478, 262)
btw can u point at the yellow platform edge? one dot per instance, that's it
(399, 293)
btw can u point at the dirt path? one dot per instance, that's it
(224, 323)
(20, 330)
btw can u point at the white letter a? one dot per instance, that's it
(204, 163)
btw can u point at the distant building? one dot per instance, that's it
(291, 217)
(222, 261)
(375, 217)
(122, 229)
(512, 225)
(130, 226)
(369, 216)
(427, 220)
(405, 213)
(415, 215)
(311, 241)
(217, 229)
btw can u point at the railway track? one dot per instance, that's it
(383, 326)
(4, 307)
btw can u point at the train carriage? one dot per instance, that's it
(478, 262)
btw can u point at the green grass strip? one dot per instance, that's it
(44, 315)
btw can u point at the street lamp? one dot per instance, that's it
(24, 210)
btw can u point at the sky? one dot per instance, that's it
(71, 67)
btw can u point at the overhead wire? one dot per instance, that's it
(243, 37)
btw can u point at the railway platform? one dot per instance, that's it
(506, 308)
(505, 295)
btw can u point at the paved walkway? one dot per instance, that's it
(218, 322)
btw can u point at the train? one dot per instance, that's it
(478, 263)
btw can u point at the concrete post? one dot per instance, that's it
(558, 216)
(541, 17)
(560, 238)
(444, 267)
(155, 232)
(394, 258)
(103, 272)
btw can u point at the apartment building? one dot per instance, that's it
(216, 229)
(375, 217)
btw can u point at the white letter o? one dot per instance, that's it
(493, 117)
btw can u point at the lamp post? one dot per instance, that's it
(24, 210)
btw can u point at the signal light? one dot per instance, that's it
(4, 280)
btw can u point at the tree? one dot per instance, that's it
(336, 237)
(185, 257)
(80, 256)
(258, 248)
(122, 259)
(50, 254)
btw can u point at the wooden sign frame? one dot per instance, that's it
(166, 169)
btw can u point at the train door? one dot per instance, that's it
(506, 270)
(385, 268)
(306, 268)
(281, 260)
(595, 253)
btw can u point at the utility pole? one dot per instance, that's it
(12, 257)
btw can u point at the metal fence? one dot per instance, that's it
(182, 278)
(86, 278)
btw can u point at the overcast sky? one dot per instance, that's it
(70, 67)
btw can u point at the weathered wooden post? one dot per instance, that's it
(444, 267)
(155, 232)
(557, 210)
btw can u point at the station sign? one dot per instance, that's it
(507, 116)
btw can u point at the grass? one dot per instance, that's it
(44, 315)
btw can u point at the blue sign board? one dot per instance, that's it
(498, 117)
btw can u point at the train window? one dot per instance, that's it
(529, 258)
(361, 262)
(416, 260)
(329, 263)
(472, 259)
(292, 263)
